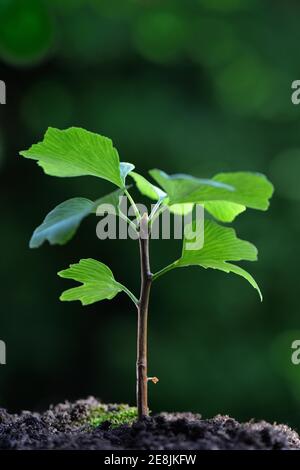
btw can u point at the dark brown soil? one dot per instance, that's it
(65, 426)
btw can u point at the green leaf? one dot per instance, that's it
(98, 282)
(220, 210)
(251, 189)
(181, 209)
(244, 188)
(223, 210)
(125, 169)
(233, 268)
(77, 152)
(220, 246)
(146, 188)
(62, 222)
(179, 186)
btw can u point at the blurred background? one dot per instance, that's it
(199, 86)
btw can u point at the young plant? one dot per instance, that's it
(77, 152)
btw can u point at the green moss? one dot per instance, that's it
(121, 414)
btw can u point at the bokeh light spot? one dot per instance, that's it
(160, 36)
(245, 85)
(26, 31)
(213, 42)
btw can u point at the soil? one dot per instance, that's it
(66, 426)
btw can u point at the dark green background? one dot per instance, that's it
(195, 86)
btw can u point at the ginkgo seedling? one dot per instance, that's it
(77, 152)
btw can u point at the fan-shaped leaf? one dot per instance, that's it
(77, 152)
(125, 169)
(223, 210)
(244, 188)
(220, 243)
(233, 268)
(146, 188)
(220, 210)
(62, 222)
(220, 246)
(98, 282)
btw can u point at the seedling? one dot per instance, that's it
(77, 152)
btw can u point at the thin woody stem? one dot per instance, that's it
(146, 281)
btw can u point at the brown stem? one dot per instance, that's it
(146, 280)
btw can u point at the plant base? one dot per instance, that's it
(89, 424)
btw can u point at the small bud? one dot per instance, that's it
(144, 229)
(153, 379)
